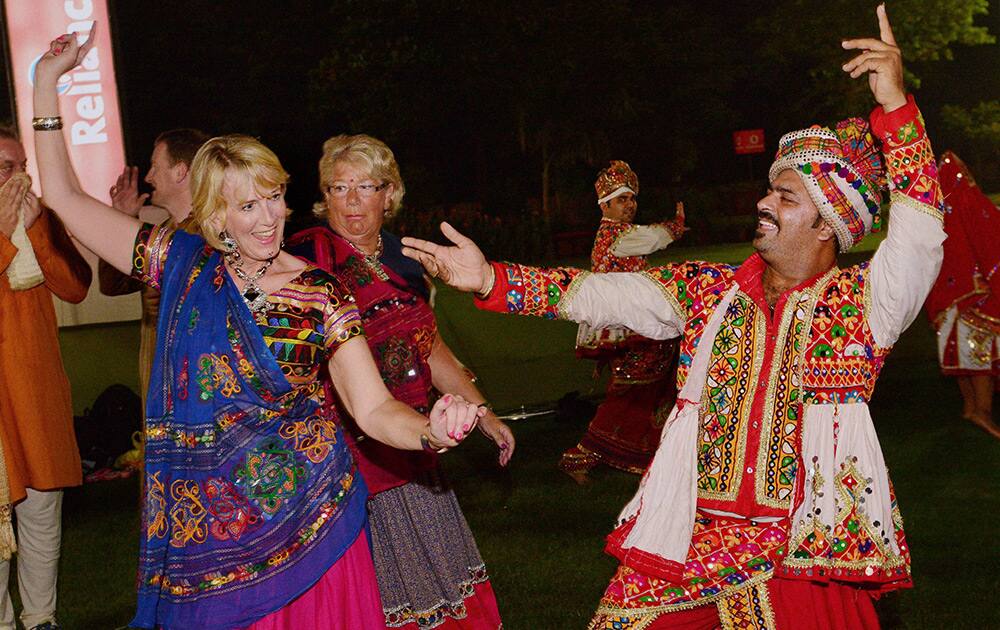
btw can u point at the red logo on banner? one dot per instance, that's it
(88, 94)
(748, 141)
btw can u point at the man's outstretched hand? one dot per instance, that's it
(883, 62)
(461, 266)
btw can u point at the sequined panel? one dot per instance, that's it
(726, 555)
(856, 547)
(842, 361)
(732, 372)
(749, 609)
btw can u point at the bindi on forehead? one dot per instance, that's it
(349, 172)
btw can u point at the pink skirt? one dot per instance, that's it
(345, 598)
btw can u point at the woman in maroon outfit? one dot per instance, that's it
(423, 582)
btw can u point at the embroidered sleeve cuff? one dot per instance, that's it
(910, 164)
(886, 124)
(149, 253)
(528, 290)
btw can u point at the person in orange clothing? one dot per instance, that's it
(40, 455)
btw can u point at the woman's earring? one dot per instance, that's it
(228, 242)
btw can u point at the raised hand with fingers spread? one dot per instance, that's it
(124, 193)
(461, 265)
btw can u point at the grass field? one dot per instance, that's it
(540, 533)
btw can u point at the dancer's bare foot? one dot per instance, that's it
(985, 422)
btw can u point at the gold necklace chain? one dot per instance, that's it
(372, 260)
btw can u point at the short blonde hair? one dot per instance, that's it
(367, 153)
(233, 153)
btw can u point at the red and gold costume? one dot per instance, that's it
(769, 497)
(964, 303)
(626, 430)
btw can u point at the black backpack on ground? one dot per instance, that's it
(104, 431)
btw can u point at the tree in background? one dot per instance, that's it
(803, 40)
(526, 92)
(979, 129)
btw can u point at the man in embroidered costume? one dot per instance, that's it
(768, 504)
(964, 303)
(40, 455)
(626, 430)
(169, 175)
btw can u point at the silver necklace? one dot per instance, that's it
(372, 260)
(253, 295)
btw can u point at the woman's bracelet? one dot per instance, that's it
(489, 287)
(425, 443)
(46, 123)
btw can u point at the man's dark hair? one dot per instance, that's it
(182, 144)
(7, 132)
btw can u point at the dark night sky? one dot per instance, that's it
(238, 66)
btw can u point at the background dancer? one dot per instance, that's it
(625, 431)
(964, 304)
(169, 175)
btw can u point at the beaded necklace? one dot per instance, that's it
(253, 295)
(372, 260)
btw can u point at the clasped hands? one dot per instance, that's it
(451, 420)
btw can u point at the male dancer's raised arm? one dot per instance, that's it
(907, 262)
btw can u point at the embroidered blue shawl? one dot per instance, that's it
(251, 494)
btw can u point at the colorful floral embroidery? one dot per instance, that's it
(397, 360)
(248, 573)
(187, 514)
(732, 373)
(314, 437)
(842, 360)
(231, 514)
(726, 556)
(269, 476)
(777, 457)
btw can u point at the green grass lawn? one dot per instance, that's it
(540, 533)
